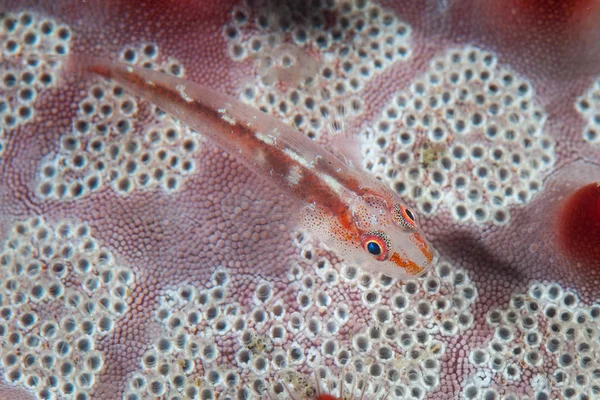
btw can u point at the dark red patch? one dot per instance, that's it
(326, 397)
(562, 22)
(579, 226)
(547, 12)
(558, 36)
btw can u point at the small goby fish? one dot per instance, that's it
(351, 212)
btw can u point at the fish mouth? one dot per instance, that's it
(425, 247)
(409, 266)
(430, 254)
(412, 268)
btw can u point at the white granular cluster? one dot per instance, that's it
(466, 136)
(182, 361)
(26, 41)
(398, 351)
(210, 346)
(545, 346)
(589, 107)
(61, 291)
(311, 55)
(120, 140)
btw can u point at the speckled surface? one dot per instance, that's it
(221, 297)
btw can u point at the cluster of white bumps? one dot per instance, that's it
(120, 140)
(467, 135)
(209, 346)
(182, 361)
(398, 352)
(545, 329)
(61, 292)
(589, 107)
(330, 62)
(25, 39)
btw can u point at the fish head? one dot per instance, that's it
(391, 241)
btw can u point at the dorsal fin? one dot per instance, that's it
(342, 133)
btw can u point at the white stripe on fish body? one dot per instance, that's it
(333, 183)
(299, 159)
(294, 175)
(182, 93)
(267, 139)
(225, 117)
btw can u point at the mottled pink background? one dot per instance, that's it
(167, 238)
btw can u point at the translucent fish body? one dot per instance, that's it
(352, 213)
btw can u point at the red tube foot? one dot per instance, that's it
(579, 226)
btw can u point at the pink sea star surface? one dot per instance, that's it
(139, 261)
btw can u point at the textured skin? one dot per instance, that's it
(171, 239)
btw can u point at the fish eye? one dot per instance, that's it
(377, 244)
(373, 247)
(404, 217)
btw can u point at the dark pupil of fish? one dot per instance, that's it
(374, 248)
(409, 214)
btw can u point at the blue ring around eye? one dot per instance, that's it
(374, 248)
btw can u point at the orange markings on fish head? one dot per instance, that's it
(407, 265)
(425, 247)
(391, 241)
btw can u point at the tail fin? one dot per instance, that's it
(82, 67)
(70, 68)
(25, 60)
(30, 59)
